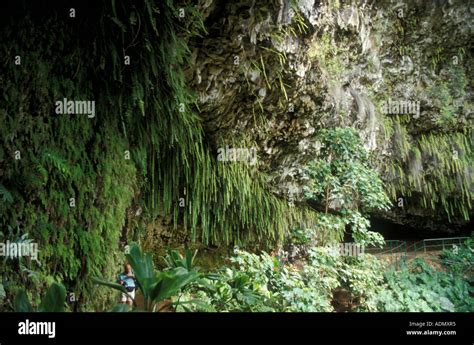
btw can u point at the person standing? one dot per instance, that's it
(128, 281)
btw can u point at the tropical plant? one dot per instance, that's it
(53, 301)
(155, 286)
(72, 190)
(260, 283)
(360, 277)
(460, 259)
(341, 174)
(175, 259)
(341, 179)
(418, 287)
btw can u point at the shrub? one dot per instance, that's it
(418, 287)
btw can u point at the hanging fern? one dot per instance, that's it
(436, 165)
(7, 197)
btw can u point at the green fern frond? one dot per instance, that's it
(7, 197)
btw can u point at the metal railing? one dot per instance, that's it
(445, 242)
(390, 247)
(398, 250)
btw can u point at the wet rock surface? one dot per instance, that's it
(270, 74)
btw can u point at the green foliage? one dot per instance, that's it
(460, 259)
(53, 301)
(418, 287)
(62, 157)
(21, 303)
(57, 162)
(329, 229)
(329, 56)
(259, 283)
(226, 290)
(147, 111)
(341, 178)
(342, 174)
(360, 277)
(433, 172)
(6, 195)
(155, 286)
(443, 100)
(174, 259)
(265, 283)
(179, 162)
(360, 230)
(430, 167)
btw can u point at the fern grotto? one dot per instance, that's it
(217, 156)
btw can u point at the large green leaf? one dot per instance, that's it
(142, 264)
(109, 284)
(54, 299)
(115, 286)
(171, 283)
(175, 259)
(143, 269)
(21, 303)
(155, 286)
